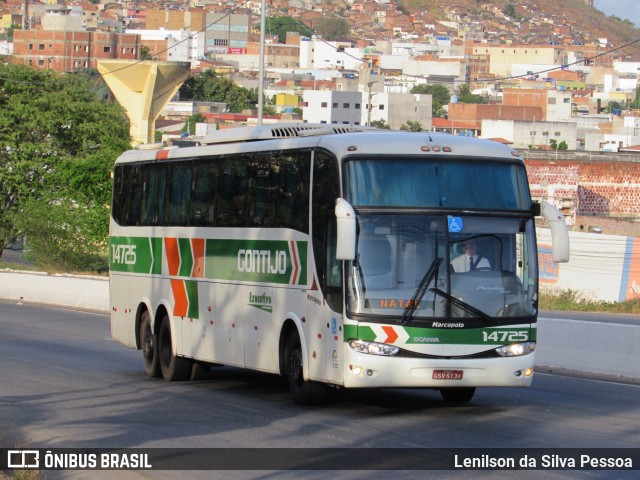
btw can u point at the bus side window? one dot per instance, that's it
(326, 188)
(205, 194)
(132, 190)
(179, 193)
(231, 212)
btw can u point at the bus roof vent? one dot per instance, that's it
(282, 130)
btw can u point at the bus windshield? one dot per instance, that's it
(425, 264)
(437, 183)
(485, 267)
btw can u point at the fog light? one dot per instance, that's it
(355, 370)
(527, 372)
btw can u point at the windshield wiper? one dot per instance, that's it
(464, 305)
(420, 291)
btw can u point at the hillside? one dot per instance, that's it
(583, 19)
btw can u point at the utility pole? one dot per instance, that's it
(370, 97)
(263, 17)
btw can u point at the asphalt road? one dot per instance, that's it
(64, 383)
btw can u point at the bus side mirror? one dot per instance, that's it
(559, 232)
(346, 230)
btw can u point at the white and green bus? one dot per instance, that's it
(323, 254)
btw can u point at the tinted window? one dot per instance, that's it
(437, 183)
(265, 189)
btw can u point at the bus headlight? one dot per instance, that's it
(373, 348)
(516, 349)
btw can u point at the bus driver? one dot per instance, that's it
(469, 260)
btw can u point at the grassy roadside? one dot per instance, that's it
(570, 300)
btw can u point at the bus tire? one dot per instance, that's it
(149, 347)
(304, 392)
(457, 394)
(174, 369)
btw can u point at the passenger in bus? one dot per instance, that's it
(469, 260)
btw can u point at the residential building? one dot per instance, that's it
(395, 109)
(555, 104)
(226, 33)
(531, 134)
(172, 45)
(503, 57)
(66, 51)
(193, 20)
(325, 106)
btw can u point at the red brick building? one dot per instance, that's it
(473, 114)
(590, 190)
(66, 51)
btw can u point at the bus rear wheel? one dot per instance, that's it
(149, 346)
(457, 394)
(173, 368)
(304, 392)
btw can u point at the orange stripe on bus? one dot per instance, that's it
(180, 297)
(162, 154)
(173, 255)
(197, 245)
(296, 266)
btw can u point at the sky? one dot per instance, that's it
(629, 9)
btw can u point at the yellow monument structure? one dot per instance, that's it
(143, 88)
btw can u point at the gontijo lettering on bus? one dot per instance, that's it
(264, 261)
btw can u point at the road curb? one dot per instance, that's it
(610, 349)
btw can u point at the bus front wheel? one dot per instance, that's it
(304, 392)
(173, 368)
(149, 346)
(457, 394)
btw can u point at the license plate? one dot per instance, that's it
(447, 375)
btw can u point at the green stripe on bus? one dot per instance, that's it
(440, 336)
(191, 287)
(186, 257)
(134, 255)
(156, 255)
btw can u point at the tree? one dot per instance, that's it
(190, 124)
(412, 126)
(614, 105)
(635, 103)
(440, 97)
(59, 143)
(380, 124)
(510, 10)
(145, 53)
(281, 25)
(211, 87)
(12, 28)
(332, 28)
(465, 96)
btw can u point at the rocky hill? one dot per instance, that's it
(527, 19)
